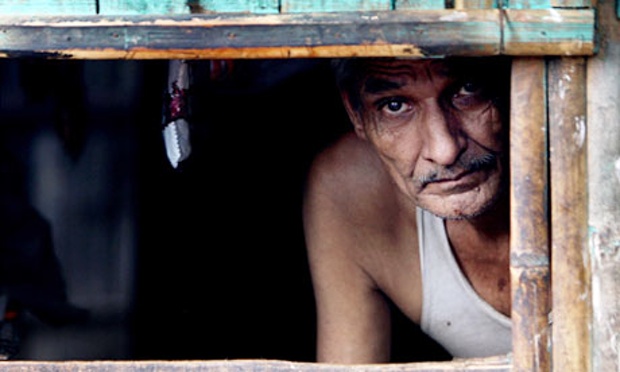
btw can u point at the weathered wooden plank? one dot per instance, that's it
(130, 7)
(528, 4)
(419, 4)
(572, 4)
(49, 7)
(295, 6)
(404, 33)
(475, 4)
(529, 222)
(549, 32)
(412, 33)
(493, 364)
(603, 141)
(571, 275)
(235, 6)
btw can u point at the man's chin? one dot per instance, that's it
(459, 210)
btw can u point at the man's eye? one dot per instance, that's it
(470, 96)
(468, 88)
(394, 105)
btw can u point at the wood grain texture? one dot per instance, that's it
(528, 4)
(475, 4)
(312, 6)
(405, 33)
(235, 6)
(549, 32)
(142, 7)
(419, 4)
(529, 218)
(603, 142)
(578, 4)
(49, 7)
(492, 364)
(571, 275)
(400, 33)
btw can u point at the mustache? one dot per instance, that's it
(464, 164)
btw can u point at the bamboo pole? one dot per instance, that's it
(529, 260)
(570, 258)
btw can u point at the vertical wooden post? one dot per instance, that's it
(570, 257)
(604, 189)
(529, 259)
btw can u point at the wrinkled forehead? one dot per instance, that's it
(385, 74)
(443, 66)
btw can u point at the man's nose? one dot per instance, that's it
(443, 140)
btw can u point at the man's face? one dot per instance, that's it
(438, 130)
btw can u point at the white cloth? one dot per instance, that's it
(453, 314)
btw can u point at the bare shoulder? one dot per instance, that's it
(349, 175)
(351, 203)
(359, 232)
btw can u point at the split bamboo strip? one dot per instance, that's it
(604, 189)
(529, 237)
(491, 364)
(570, 259)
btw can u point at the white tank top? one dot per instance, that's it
(453, 313)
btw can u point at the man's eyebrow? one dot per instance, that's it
(378, 85)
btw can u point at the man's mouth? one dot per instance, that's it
(464, 181)
(460, 173)
(452, 178)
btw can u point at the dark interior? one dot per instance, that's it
(206, 261)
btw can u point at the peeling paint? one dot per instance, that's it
(370, 18)
(604, 249)
(579, 136)
(564, 85)
(554, 16)
(456, 16)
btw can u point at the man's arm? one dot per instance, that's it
(353, 317)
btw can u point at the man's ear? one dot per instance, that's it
(354, 116)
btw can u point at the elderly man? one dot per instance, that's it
(412, 208)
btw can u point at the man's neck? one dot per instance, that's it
(491, 229)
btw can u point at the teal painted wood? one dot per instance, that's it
(48, 7)
(476, 4)
(429, 33)
(419, 4)
(536, 32)
(300, 6)
(236, 6)
(528, 4)
(139, 7)
(571, 3)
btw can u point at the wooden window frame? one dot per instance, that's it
(551, 44)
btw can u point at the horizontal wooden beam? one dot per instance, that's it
(492, 364)
(540, 32)
(404, 33)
